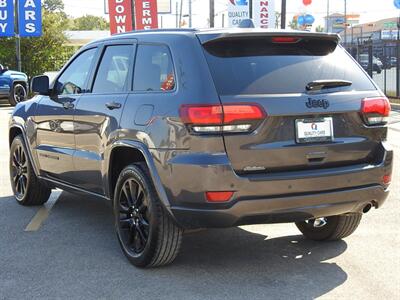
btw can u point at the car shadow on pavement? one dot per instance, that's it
(286, 266)
(217, 263)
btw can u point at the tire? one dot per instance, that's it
(18, 94)
(28, 189)
(147, 235)
(336, 228)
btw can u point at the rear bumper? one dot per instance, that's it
(268, 198)
(283, 209)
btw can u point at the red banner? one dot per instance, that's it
(146, 14)
(120, 16)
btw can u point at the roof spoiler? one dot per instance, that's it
(231, 35)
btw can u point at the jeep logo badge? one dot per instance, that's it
(314, 103)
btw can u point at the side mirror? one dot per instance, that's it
(3, 69)
(41, 85)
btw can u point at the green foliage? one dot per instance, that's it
(319, 29)
(46, 53)
(89, 22)
(53, 5)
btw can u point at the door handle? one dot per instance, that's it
(113, 105)
(68, 105)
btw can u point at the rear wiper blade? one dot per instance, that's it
(327, 84)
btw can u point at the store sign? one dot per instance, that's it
(146, 14)
(391, 34)
(30, 18)
(238, 10)
(264, 13)
(120, 16)
(6, 18)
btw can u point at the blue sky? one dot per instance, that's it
(370, 10)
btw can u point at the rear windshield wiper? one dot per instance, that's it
(326, 84)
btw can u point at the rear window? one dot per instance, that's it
(247, 67)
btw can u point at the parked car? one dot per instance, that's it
(13, 86)
(377, 65)
(186, 129)
(393, 61)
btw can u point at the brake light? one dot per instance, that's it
(219, 196)
(285, 39)
(375, 110)
(216, 118)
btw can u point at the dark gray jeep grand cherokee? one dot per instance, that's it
(185, 129)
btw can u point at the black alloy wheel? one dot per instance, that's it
(134, 216)
(28, 189)
(147, 234)
(19, 172)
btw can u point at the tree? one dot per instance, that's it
(293, 25)
(319, 29)
(53, 5)
(90, 22)
(45, 53)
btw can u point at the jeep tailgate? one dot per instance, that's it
(304, 129)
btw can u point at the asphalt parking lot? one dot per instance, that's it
(68, 249)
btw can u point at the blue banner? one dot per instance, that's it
(6, 18)
(30, 18)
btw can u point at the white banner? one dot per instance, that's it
(238, 10)
(264, 13)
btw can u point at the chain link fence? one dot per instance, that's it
(381, 60)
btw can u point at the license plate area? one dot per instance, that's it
(314, 130)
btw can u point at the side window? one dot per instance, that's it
(73, 79)
(154, 70)
(113, 71)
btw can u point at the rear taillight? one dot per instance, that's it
(375, 111)
(231, 118)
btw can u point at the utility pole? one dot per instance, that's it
(180, 14)
(190, 13)
(251, 9)
(327, 16)
(398, 60)
(17, 37)
(176, 14)
(345, 22)
(133, 16)
(212, 13)
(283, 15)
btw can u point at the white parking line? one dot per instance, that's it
(43, 213)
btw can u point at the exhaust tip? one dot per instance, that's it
(367, 208)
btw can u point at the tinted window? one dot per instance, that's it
(113, 71)
(239, 68)
(73, 79)
(153, 69)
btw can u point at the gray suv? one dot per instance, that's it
(187, 129)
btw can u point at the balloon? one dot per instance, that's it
(307, 2)
(397, 3)
(309, 19)
(301, 20)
